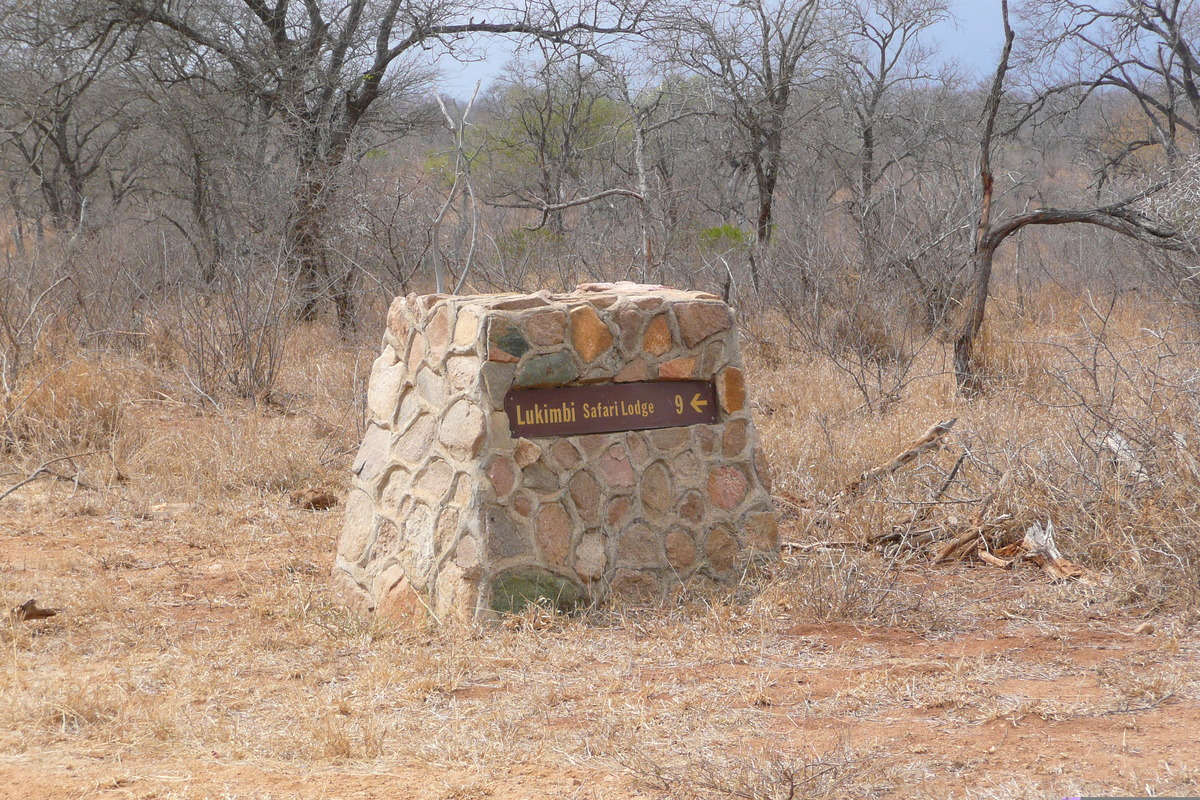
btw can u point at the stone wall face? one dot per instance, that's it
(447, 508)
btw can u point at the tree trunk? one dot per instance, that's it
(965, 375)
(306, 247)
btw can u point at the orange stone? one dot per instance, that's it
(731, 390)
(502, 475)
(634, 371)
(721, 549)
(657, 338)
(681, 550)
(638, 548)
(437, 331)
(677, 369)
(589, 334)
(698, 320)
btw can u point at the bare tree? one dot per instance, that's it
(320, 70)
(64, 109)
(755, 55)
(1132, 30)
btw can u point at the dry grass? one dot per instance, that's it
(201, 654)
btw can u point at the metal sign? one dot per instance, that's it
(609, 407)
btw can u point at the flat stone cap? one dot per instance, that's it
(598, 294)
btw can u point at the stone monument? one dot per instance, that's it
(565, 447)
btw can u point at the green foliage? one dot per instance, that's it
(722, 237)
(440, 166)
(519, 243)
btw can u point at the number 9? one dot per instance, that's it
(678, 404)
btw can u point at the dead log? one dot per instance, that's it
(1040, 548)
(31, 610)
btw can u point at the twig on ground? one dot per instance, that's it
(44, 469)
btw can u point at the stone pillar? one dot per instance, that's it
(450, 513)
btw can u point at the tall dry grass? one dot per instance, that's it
(206, 627)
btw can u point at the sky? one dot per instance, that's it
(973, 39)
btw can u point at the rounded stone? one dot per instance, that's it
(437, 332)
(383, 388)
(589, 557)
(657, 339)
(397, 320)
(669, 439)
(431, 388)
(466, 555)
(733, 442)
(589, 334)
(358, 525)
(593, 444)
(418, 546)
(462, 430)
(698, 320)
(554, 533)
(677, 369)
(462, 372)
(616, 469)
(585, 494)
(454, 597)
(630, 585)
(639, 451)
(564, 454)
(446, 529)
(540, 478)
(687, 469)
(727, 487)
(505, 341)
(681, 550)
(656, 490)
(638, 547)
(522, 505)
(503, 476)
(388, 543)
(546, 328)
(434, 482)
(505, 539)
(372, 455)
(731, 390)
(556, 369)
(617, 512)
(692, 508)
(721, 549)
(633, 372)
(466, 329)
(629, 323)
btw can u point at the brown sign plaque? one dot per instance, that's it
(610, 407)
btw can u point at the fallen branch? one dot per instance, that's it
(928, 441)
(904, 529)
(1040, 548)
(44, 469)
(974, 534)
